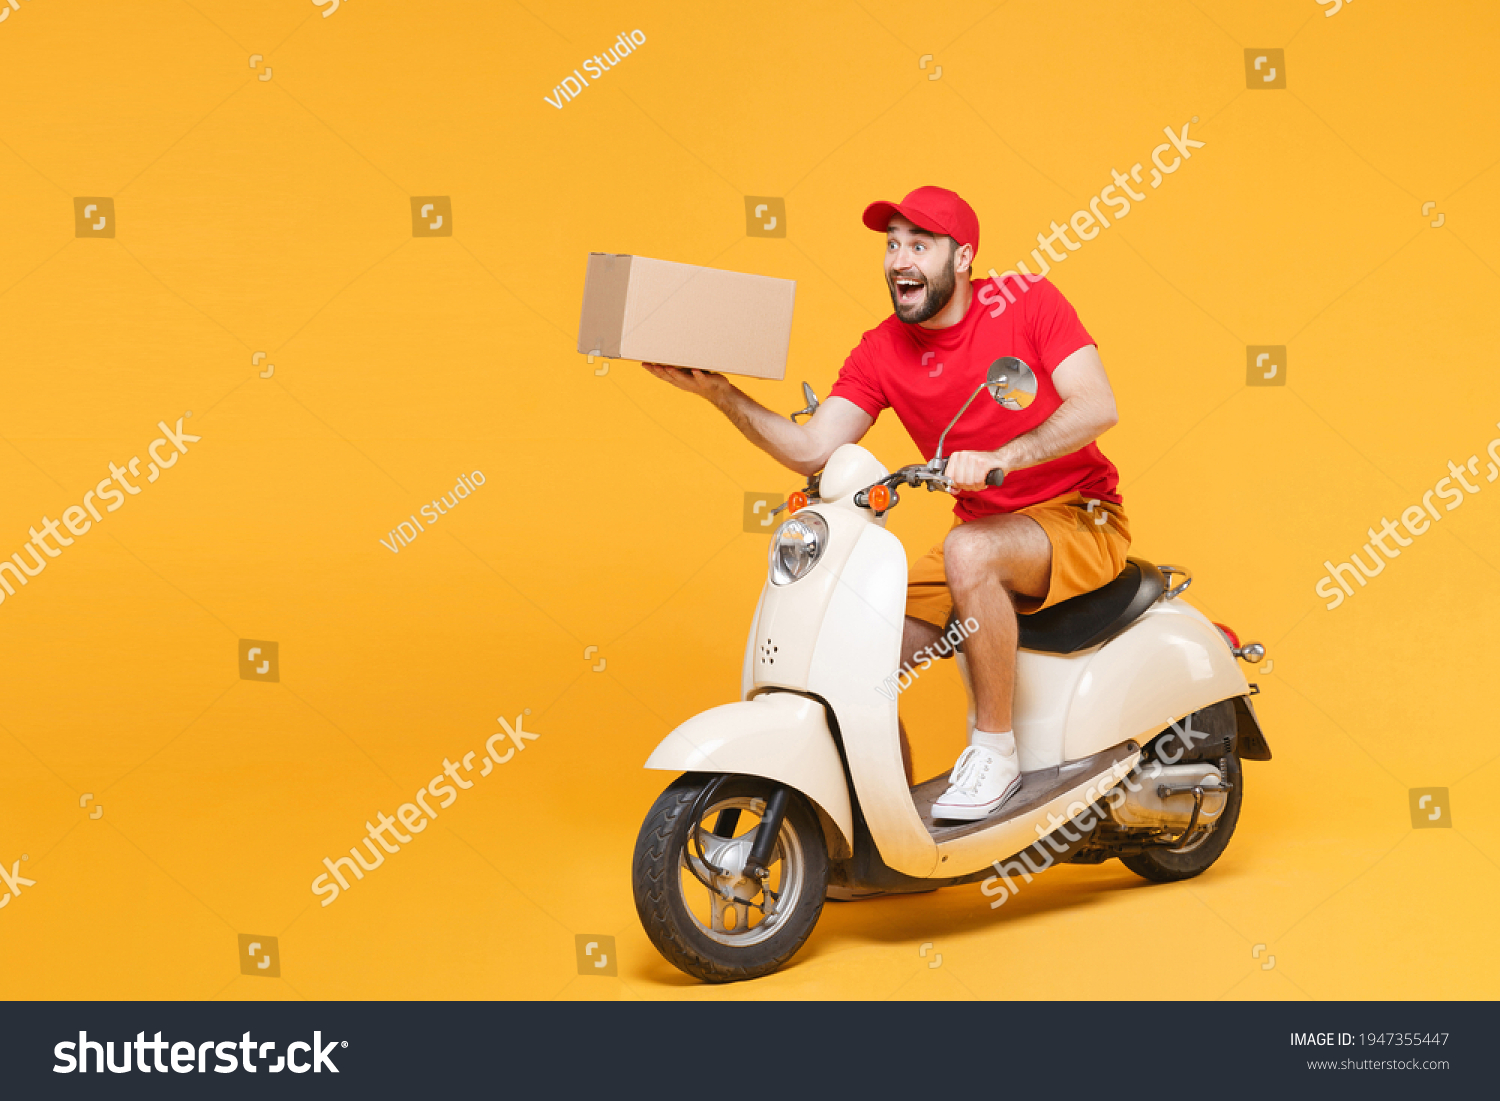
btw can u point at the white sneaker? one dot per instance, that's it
(980, 783)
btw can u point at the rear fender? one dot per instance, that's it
(778, 735)
(1249, 737)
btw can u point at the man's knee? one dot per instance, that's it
(968, 557)
(975, 555)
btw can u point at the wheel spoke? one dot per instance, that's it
(718, 851)
(693, 864)
(717, 906)
(769, 898)
(717, 863)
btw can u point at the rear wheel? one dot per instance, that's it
(696, 904)
(1168, 863)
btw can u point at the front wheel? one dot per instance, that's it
(696, 904)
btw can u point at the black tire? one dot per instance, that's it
(1160, 865)
(658, 878)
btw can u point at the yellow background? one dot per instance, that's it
(273, 215)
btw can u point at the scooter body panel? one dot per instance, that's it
(778, 735)
(1164, 666)
(789, 618)
(747, 667)
(859, 644)
(836, 634)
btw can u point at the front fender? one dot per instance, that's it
(778, 735)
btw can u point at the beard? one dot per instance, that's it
(936, 294)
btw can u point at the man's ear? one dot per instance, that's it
(963, 257)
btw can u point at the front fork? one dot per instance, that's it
(757, 863)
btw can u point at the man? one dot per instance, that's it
(1053, 530)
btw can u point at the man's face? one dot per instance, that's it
(920, 270)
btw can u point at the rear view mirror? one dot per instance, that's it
(1011, 383)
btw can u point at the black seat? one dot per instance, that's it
(1095, 617)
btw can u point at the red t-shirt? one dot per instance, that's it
(925, 375)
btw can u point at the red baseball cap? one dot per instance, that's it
(931, 208)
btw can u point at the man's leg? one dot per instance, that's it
(916, 636)
(986, 561)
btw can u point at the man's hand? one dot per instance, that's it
(968, 470)
(703, 383)
(1087, 412)
(803, 448)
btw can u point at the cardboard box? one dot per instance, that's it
(686, 316)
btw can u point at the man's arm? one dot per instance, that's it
(1086, 413)
(803, 448)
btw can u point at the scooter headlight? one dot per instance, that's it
(797, 546)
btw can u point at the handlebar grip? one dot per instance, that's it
(994, 477)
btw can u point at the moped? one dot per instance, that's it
(1131, 718)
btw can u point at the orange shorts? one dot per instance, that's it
(1088, 551)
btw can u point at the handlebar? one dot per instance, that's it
(929, 474)
(932, 476)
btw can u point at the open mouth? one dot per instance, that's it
(909, 289)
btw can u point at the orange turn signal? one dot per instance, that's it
(795, 501)
(880, 498)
